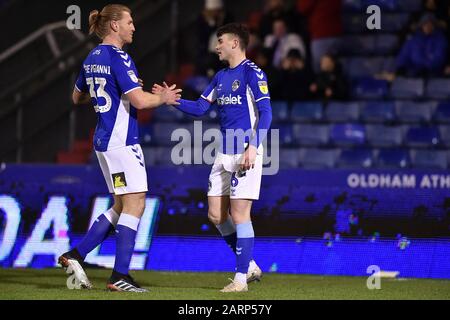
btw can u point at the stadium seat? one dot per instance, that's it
(438, 88)
(306, 111)
(355, 158)
(378, 111)
(162, 132)
(436, 159)
(354, 23)
(352, 5)
(393, 158)
(410, 5)
(285, 133)
(414, 112)
(442, 112)
(389, 64)
(163, 156)
(318, 158)
(280, 110)
(342, 111)
(289, 158)
(394, 22)
(444, 134)
(386, 44)
(150, 155)
(146, 134)
(311, 135)
(407, 88)
(369, 88)
(422, 137)
(348, 134)
(384, 136)
(167, 113)
(385, 5)
(362, 67)
(357, 45)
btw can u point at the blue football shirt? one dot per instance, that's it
(108, 73)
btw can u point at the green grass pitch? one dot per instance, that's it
(50, 284)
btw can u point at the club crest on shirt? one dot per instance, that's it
(133, 76)
(119, 180)
(263, 87)
(235, 85)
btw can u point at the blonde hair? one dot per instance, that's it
(99, 21)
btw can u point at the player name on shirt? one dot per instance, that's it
(97, 68)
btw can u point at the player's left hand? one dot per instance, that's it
(249, 158)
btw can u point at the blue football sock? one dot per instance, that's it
(126, 230)
(98, 232)
(244, 246)
(228, 232)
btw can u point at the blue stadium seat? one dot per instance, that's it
(389, 64)
(444, 134)
(369, 88)
(438, 88)
(311, 135)
(385, 5)
(357, 45)
(362, 67)
(342, 111)
(442, 112)
(422, 137)
(430, 159)
(146, 134)
(348, 134)
(355, 158)
(285, 133)
(167, 113)
(407, 88)
(352, 5)
(150, 155)
(394, 22)
(280, 110)
(414, 112)
(163, 156)
(393, 158)
(384, 136)
(354, 23)
(378, 111)
(306, 111)
(410, 5)
(289, 158)
(318, 158)
(386, 44)
(162, 132)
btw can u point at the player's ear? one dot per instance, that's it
(114, 26)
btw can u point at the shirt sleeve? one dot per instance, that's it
(257, 81)
(80, 84)
(210, 93)
(125, 72)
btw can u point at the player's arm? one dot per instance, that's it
(79, 97)
(145, 100)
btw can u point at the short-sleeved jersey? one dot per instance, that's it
(108, 73)
(236, 92)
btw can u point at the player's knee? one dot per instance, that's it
(214, 217)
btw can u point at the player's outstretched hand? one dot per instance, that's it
(157, 89)
(170, 95)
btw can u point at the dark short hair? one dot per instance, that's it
(237, 29)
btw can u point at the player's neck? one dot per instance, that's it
(236, 60)
(113, 41)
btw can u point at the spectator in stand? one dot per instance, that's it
(214, 15)
(329, 83)
(276, 9)
(324, 26)
(424, 54)
(281, 41)
(295, 76)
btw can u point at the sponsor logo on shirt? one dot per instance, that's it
(226, 100)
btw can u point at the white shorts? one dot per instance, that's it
(225, 178)
(124, 169)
